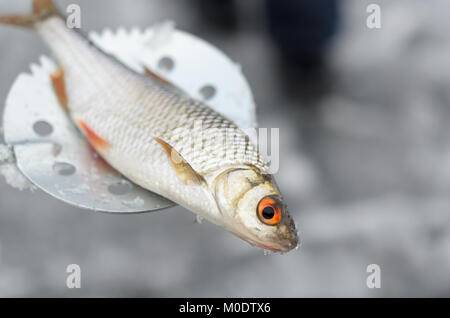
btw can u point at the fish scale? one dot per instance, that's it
(162, 109)
(163, 140)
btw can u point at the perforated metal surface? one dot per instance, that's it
(54, 156)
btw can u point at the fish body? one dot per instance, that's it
(162, 139)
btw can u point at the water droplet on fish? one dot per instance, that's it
(268, 252)
(199, 219)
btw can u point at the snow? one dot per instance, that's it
(10, 172)
(5, 153)
(15, 178)
(135, 203)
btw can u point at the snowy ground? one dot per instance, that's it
(366, 173)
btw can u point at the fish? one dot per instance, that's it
(162, 139)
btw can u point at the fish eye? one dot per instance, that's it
(269, 211)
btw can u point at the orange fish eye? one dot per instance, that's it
(269, 211)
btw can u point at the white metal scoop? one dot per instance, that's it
(54, 156)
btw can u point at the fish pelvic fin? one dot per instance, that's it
(95, 140)
(59, 88)
(181, 167)
(42, 9)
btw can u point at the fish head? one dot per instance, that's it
(254, 210)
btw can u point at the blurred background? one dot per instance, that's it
(365, 160)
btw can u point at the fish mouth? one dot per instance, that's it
(280, 246)
(275, 245)
(277, 249)
(282, 242)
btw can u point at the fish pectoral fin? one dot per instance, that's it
(59, 87)
(181, 167)
(95, 140)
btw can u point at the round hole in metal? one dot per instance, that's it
(64, 168)
(166, 64)
(120, 188)
(42, 128)
(207, 92)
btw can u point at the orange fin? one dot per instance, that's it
(183, 169)
(60, 88)
(42, 9)
(156, 76)
(96, 141)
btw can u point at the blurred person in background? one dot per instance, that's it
(301, 29)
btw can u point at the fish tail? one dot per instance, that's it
(42, 9)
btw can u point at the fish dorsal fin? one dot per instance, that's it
(157, 77)
(182, 168)
(95, 140)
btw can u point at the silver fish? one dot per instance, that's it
(162, 139)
